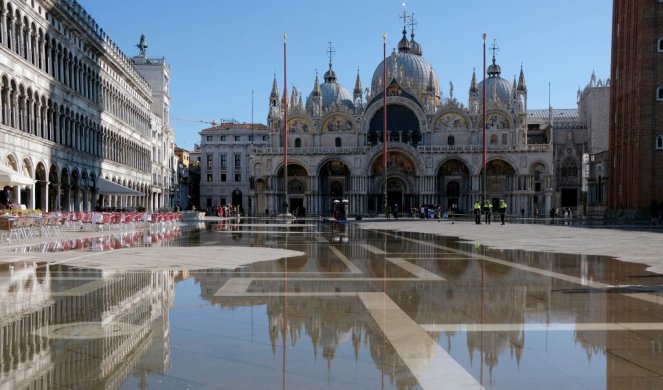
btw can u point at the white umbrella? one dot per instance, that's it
(9, 177)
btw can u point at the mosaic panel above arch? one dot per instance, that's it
(299, 125)
(496, 120)
(337, 123)
(396, 162)
(450, 121)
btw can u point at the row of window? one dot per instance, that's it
(224, 177)
(237, 138)
(223, 160)
(451, 140)
(45, 52)
(41, 116)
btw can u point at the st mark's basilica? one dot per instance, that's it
(435, 145)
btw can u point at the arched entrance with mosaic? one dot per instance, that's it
(499, 178)
(334, 179)
(297, 188)
(454, 184)
(401, 173)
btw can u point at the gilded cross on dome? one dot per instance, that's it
(494, 48)
(330, 53)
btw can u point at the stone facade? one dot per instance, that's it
(434, 147)
(225, 167)
(76, 111)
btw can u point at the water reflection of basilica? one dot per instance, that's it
(76, 328)
(475, 293)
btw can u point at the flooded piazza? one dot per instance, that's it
(264, 304)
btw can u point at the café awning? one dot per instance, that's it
(9, 177)
(108, 187)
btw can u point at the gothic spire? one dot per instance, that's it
(316, 85)
(473, 84)
(521, 80)
(357, 91)
(275, 88)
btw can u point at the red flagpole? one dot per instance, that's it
(285, 124)
(384, 119)
(484, 121)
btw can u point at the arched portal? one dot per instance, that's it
(402, 125)
(64, 190)
(333, 183)
(499, 172)
(237, 199)
(53, 189)
(400, 182)
(41, 187)
(297, 187)
(453, 185)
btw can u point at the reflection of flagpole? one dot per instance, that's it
(483, 200)
(286, 203)
(384, 124)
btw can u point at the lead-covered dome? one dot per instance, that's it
(496, 86)
(330, 91)
(409, 69)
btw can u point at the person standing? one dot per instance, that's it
(502, 210)
(477, 212)
(488, 210)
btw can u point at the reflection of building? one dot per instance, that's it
(435, 142)
(77, 111)
(42, 304)
(636, 108)
(225, 174)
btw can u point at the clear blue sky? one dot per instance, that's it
(220, 51)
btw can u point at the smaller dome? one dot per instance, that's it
(330, 76)
(494, 69)
(404, 44)
(415, 47)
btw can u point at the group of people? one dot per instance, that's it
(487, 210)
(227, 210)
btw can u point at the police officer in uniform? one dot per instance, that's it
(502, 210)
(488, 210)
(477, 212)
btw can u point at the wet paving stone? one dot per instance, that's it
(264, 304)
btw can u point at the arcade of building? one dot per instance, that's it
(77, 115)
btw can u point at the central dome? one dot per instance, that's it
(411, 70)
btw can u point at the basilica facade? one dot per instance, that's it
(434, 147)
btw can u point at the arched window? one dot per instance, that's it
(659, 93)
(298, 142)
(659, 47)
(493, 139)
(451, 140)
(338, 142)
(659, 142)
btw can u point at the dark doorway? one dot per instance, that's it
(569, 197)
(237, 199)
(297, 207)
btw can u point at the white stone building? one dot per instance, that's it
(225, 167)
(77, 114)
